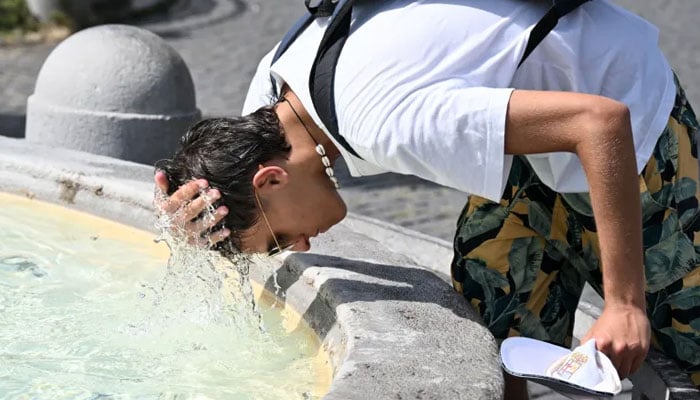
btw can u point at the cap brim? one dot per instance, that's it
(529, 358)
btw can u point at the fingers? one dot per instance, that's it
(215, 237)
(637, 363)
(184, 194)
(623, 363)
(622, 333)
(626, 357)
(186, 206)
(606, 346)
(201, 225)
(635, 355)
(194, 208)
(161, 193)
(212, 238)
(161, 181)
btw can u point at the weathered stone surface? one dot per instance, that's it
(113, 90)
(394, 330)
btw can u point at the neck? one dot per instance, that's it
(296, 121)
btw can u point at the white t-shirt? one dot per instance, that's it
(422, 88)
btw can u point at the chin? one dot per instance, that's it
(331, 209)
(340, 211)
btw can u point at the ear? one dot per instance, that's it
(271, 177)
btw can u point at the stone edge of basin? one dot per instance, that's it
(375, 293)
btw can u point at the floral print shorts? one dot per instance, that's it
(523, 262)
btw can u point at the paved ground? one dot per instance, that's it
(221, 41)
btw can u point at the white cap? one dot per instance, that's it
(582, 373)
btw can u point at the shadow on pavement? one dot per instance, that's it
(368, 282)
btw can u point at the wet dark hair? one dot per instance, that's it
(226, 152)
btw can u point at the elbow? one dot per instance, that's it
(608, 120)
(609, 117)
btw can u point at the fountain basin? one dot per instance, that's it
(392, 328)
(92, 308)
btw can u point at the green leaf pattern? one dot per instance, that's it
(528, 253)
(671, 258)
(579, 202)
(684, 299)
(539, 218)
(669, 254)
(484, 219)
(687, 347)
(684, 189)
(488, 278)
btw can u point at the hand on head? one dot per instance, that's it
(186, 205)
(214, 164)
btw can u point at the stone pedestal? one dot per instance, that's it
(113, 90)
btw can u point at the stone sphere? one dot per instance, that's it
(113, 90)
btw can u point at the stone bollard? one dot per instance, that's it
(113, 90)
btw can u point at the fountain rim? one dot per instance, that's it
(365, 334)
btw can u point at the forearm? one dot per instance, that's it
(608, 157)
(598, 130)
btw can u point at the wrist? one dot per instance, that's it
(625, 285)
(626, 301)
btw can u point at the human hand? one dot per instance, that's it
(622, 333)
(185, 207)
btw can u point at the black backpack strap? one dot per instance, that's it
(323, 8)
(559, 9)
(288, 39)
(322, 77)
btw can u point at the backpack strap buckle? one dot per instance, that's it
(321, 8)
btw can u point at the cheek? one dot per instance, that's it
(319, 206)
(306, 208)
(335, 208)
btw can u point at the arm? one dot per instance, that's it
(598, 130)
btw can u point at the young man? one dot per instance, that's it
(592, 124)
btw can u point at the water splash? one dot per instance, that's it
(200, 284)
(104, 319)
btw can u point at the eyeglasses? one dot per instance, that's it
(277, 249)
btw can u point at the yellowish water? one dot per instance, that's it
(88, 310)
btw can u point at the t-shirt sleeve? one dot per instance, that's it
(260, 88)
(444, 133)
